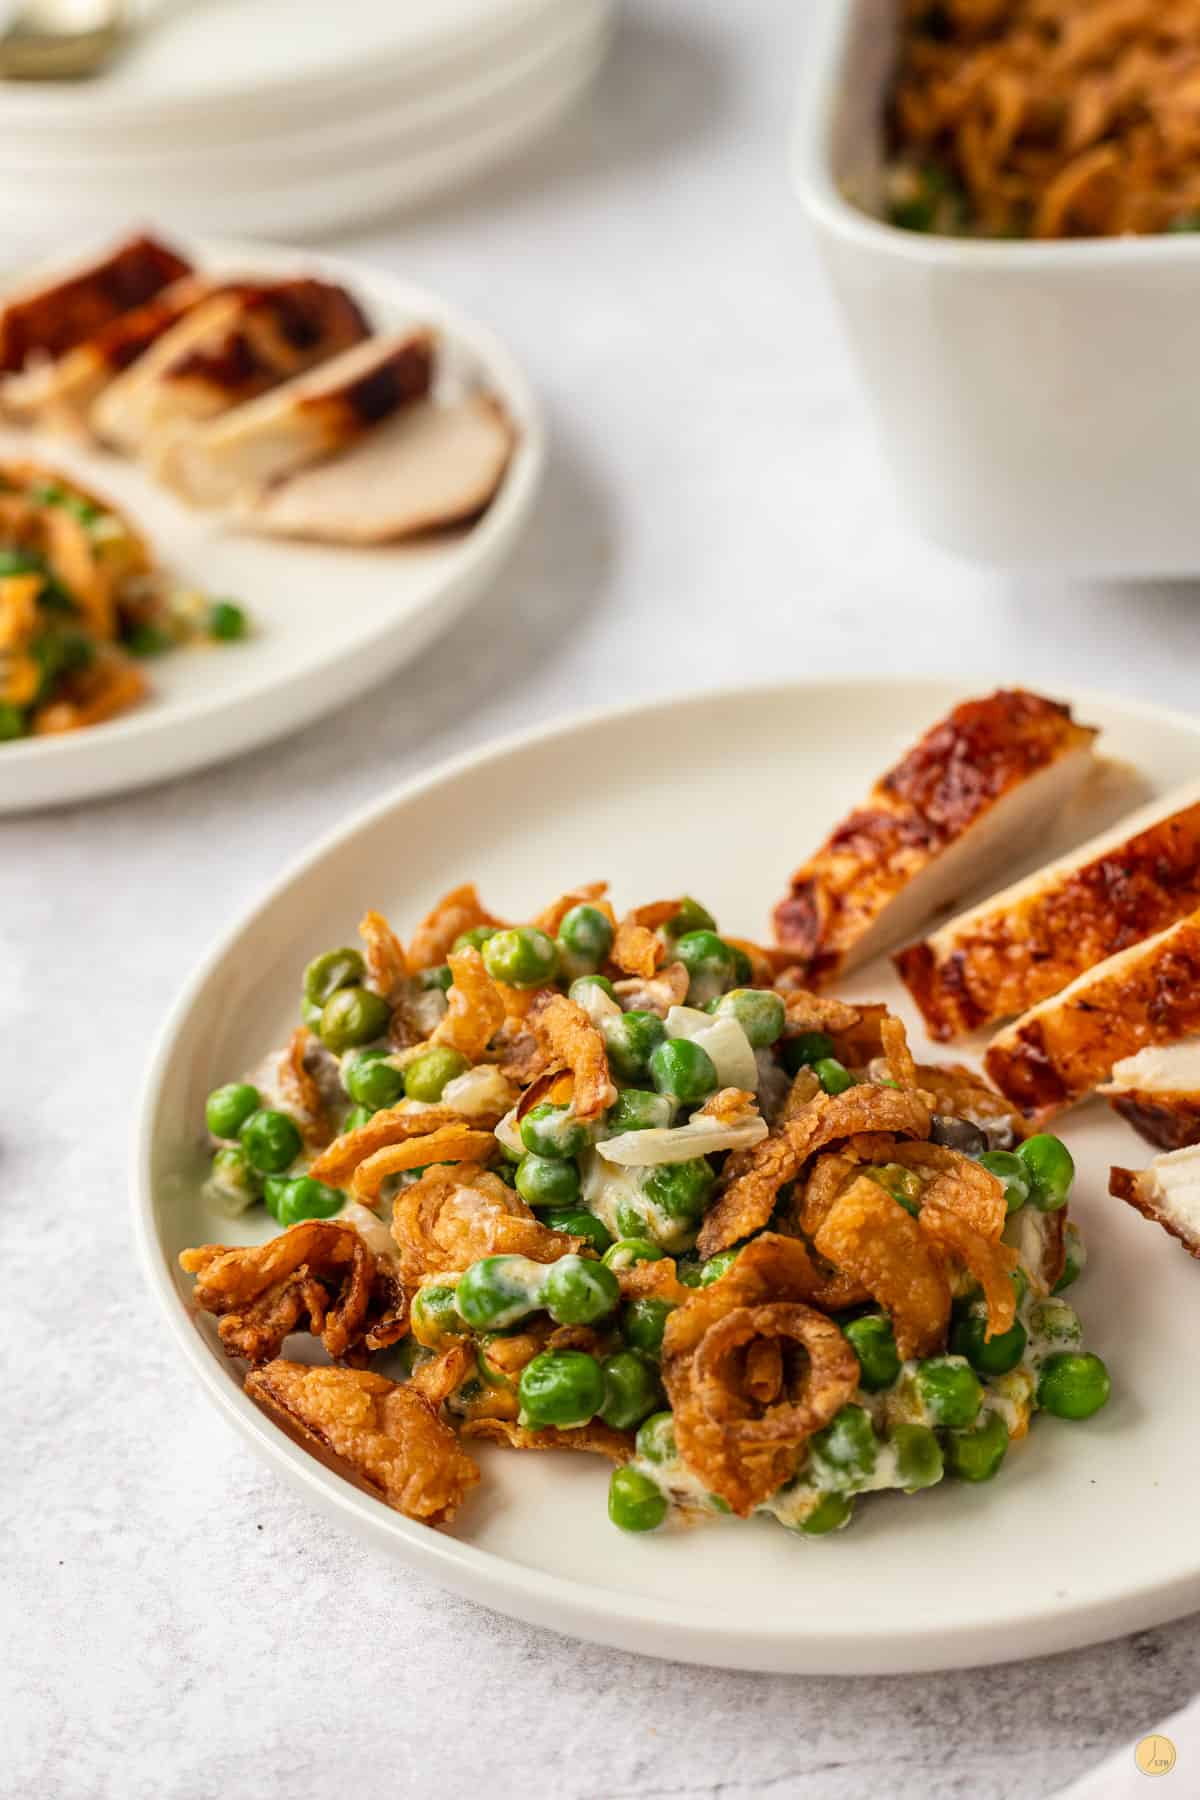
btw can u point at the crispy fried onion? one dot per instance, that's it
(522, 1058)
(474, 1006)
(388, 1435)
(452, 1217)
(637, 948)
(458, 911)
(815, 1012)
(896, 1053)
(596, 1436)
(318, 1276)
(572, 1041)
(991, 1263)
(392, 1125)
(457, 1143)
(959, 1091)
(302, 1091)
(387, 965)
(590, 894)
(656, 1280)
(957, 1182)
(752, 1371)
(747, 1202)
(654, 993)
(871, 1238)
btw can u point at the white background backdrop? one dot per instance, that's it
(179, 1626)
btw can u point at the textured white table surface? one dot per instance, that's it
(178, 1625)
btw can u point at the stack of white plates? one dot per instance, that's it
(288, 117)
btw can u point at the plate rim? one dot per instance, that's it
(646, 1625)
(489, 539)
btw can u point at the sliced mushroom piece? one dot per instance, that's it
(430, 466)
(1030, 940)
(1167, 1193)
(47, 318)
(934, 829)
(227, 350)
(1158, 1092)
(61, 393)
(303, 421)
(1063, 1049)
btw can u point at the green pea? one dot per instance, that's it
(1055, 1322)
(904, 1185)
(371, 1080)
(356, 1117)
(831, 1513)
(635, 1503)
(234, 1179)
(717, 1265)
(227, 1108)
(332, 970)
(743, 968)
(579, 1291)
(576, 1222)
(643, 1323)
(562, 1388)
(426, 1076)
(547, 1181)
(582, 988)
(688, 1271)
(310, 1015)
(684, 1070)
(976, 1455)
(147, 639)
(14, 722)
(919, 1460)
(1051, 1170)
(495, 1292)
(549, 1130)
(521, 957)
(631, 1041)
(226, 621)
(690, 917)
(627, 1252)
(833, 1076)
(656, 1438)
(988, 1356)
(637, 1109)
(474, 939)
(709, 963)
(874, 1344)
(806, 1048)
(950, 1391)
(585, 938)
(270, 1140)
(1073, 1385)
(304, 1198)
(758, 1011)
(680, 1189)
(435, 1316)
(844, 1451)
(1012, 1174)
(632, 1390)
(352, 1016)
(442, 978)
(1075, 1258)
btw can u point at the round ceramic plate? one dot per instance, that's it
(328, 621)
(1090, 1528)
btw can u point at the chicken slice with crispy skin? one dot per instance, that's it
(387, 1434)
(50, 317)
(1158, 1092)
(935, 827)
(1167, 1193)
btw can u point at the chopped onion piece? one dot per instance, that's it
(680, 1143)
(723, 1039)
(480, 1090)
(508, 1133)
(598, 1005)
(372, 1230)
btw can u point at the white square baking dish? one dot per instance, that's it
(1037, 401)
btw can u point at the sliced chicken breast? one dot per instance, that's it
(1158, 1092)
(427, 467)
(60, 394)
(45, 320)
(1167, 1193)
(226, 351)
(314, 416)
(1064, 1048)
(1031, 939)
(934, 828)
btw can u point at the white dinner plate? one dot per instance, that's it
(327, 621)
(1088, 1531)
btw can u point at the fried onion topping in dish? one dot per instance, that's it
(621, 1183)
